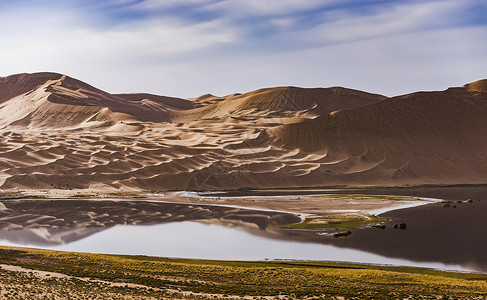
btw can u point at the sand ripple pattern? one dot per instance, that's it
(57, 132)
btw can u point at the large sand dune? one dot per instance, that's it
(58, 132)
(426, 137)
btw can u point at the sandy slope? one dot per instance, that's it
(58, 132)
(434, 137)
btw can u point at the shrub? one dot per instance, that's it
(342, 233)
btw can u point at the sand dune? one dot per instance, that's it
(58, 132)
(16, 85)
(435, 137)
(278, 103)
(477, 86)
(53, 100)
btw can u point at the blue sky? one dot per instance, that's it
(188, 48)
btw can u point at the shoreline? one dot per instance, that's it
(303, 204)
(392, 243)
(270, 279)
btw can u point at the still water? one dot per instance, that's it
(203, 241)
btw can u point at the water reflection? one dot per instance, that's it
(46, 236)
(235, 233)
(210, 241)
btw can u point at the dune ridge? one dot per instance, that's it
(60, 133)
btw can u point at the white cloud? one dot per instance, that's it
(268, 7)
(239, 7)
(392, 49)
(152, 39)
(340, 26)
(393, 65)
(168, 4)
(59, 42)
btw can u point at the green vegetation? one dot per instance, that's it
(127, 195)
(81, 196)
(372, 187)
(342, 233)
(95, 276)
(335, 221)
(368, 197)
(122, 195)
(16, 195)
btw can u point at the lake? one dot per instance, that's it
(202, 241)
(436, 237)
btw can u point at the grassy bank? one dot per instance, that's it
(336, 221)
(369, 197)
(94, 276)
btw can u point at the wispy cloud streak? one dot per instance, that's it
(190, 47)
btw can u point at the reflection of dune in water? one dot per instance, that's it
(47, 236)
(42, 222)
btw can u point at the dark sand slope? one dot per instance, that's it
(19, 84)
(49, 100)
(426, 137)
(58, 132)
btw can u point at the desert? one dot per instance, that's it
(257, 150)
(61, 133)
(284, 164)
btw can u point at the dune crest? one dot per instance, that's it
(60, 133)
(477, 86)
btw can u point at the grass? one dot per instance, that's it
(97, 276)
(371, 187)
(127, 195)
(368, 197)
(81, 196)
(335, 221)
(16, 195)
(342, 233)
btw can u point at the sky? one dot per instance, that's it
(187, 48)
